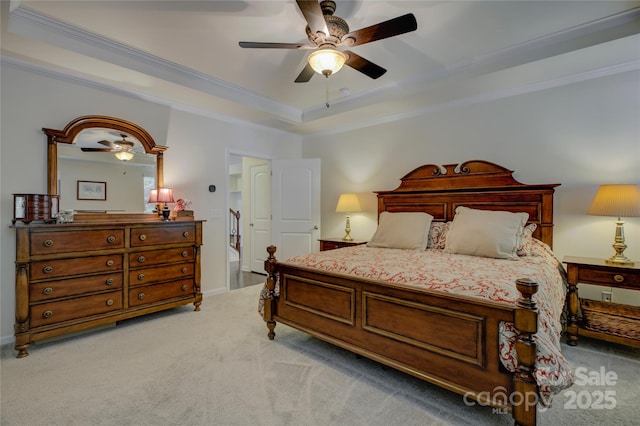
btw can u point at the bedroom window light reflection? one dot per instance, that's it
(348, 203)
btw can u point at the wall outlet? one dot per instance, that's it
(606, 296)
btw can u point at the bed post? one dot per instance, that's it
(270, 301)
(525, 390)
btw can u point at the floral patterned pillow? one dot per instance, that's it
(524, 248)
(438, 235)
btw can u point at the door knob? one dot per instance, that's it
(315, 227)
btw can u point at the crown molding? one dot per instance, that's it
(565, 41)
(111, 88)
(488, 97)
(28, 23)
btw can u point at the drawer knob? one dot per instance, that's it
(140, 277)
(184, 287)
(184, 270)
(184, 254)
(48, 243)
(111, 239)
(110, 262)
(109, 281)
(47, 269)
(47, 314)
(142, 237)
(109, 302)
(185, 234)
(141, 259)
(618, 278)
(140, 296)
(47, 290)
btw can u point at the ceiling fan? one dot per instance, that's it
(326, 32)
(123, 149)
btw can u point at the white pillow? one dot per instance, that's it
(485, 233)
(402, 230)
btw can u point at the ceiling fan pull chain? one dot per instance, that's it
(327, 92)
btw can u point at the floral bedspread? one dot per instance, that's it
(481, 277)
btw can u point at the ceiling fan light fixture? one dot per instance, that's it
(124, 155)
(327, 61)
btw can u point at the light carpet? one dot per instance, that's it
(217, 367)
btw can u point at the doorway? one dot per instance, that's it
(249, 218)
(270, 202)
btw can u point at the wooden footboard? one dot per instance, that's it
(447, 340)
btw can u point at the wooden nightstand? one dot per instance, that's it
(334, 243)
(597, 272)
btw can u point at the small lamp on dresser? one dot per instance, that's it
(619, 200)
(348, 203)
(165, 196)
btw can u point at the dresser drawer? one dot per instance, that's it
(48, 290)
(157, 257)
(168, 234)
(54, 312)
(71, 241)
(65, 267)
(145, 276)
(621, 278)
(159, 292)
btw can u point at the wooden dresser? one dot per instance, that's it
(75, 276)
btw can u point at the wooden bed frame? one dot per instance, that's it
(449, 340)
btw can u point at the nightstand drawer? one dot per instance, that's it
(336, 243)
(331, 245)
(620, 278)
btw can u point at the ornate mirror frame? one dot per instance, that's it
(71, 130)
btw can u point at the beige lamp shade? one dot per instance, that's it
(617, 200)
(348, 203)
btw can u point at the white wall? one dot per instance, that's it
(580, 135)
(196, 158)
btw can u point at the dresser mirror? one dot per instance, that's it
(118, 158)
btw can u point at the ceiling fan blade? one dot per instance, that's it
(305, 75)
(263, 45)
(392, 27)
(364, 66)
(107, 143)
(313, 14)
(97, 150)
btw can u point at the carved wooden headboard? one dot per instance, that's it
(477, 184)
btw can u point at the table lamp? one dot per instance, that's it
(618, 200)
(165, 196)
(348, 203)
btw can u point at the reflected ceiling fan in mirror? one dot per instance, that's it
(123, 150)
(326, 32)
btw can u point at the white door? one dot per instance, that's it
(260, 215)
(296, 206)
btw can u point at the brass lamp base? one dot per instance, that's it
(347, 230)
(613, 260)
(619, 246)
